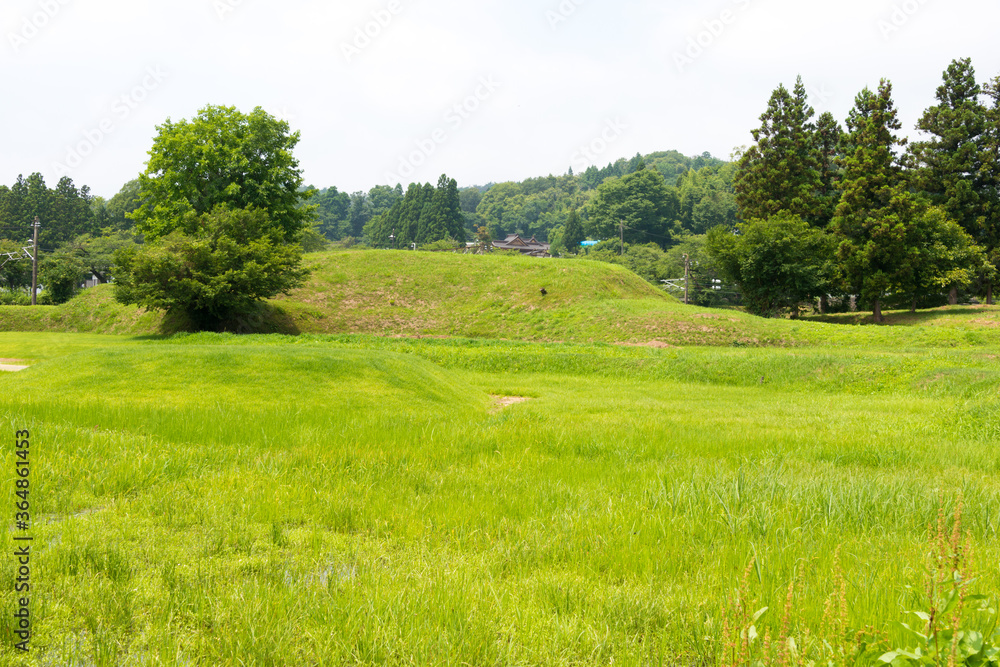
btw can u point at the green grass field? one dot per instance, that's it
(346, 498)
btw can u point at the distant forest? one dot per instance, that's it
(700, 187)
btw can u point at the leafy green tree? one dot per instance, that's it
(707, 199)
(573, 235)
(97, 253)
(782, 170)
(470, 198)
(359, 213)
(333, 211)
(706, 284)
(949, 162)
(312, 240)
(222, 157)
(122, 204)
(944, 257)
(382, 198)
(220, 211)
(777, 262)
(60, 275)
(501, 207)
(642, 202)
(235, 258)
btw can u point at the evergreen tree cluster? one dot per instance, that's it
(341, 216)
(425, 214)
(905, 226)
(65, 212)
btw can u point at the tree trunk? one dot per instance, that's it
(953, 296)
(989, 293)
(824, 304)
(913, 306)
(877, 312)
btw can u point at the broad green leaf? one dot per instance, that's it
(756, 616)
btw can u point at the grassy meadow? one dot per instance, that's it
(341, 497)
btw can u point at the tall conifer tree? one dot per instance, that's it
(949, 162)
(781, 171)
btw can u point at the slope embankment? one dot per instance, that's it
(417, 294)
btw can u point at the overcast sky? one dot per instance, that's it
(387, 91)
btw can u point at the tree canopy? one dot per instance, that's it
(220, 207)
(641, 202)
(778, 262)
(222, 157)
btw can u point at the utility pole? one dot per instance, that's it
(34, 264)
(687, 266)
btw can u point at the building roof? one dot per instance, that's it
(526, 246)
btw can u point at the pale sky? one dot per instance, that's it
(404, 90)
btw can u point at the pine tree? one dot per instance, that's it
(989, 178)
(875, 212)
(573, 232)
(829, 141)
(455, 219)
(430, 223)
(781, 171)
(949, 163)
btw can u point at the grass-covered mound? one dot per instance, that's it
(443, 294)
(400, 293)
(91, 311)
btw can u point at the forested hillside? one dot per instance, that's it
(701, 186)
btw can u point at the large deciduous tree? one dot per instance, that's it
(222, 157)
(220, 207)
(777, 262)
(237, 258)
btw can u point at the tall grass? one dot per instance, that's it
(343, 500)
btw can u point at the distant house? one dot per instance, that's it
(530, 246)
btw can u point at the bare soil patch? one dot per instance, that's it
(658, 344)
(507, 401)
